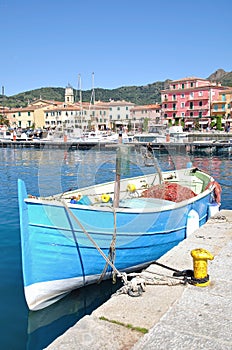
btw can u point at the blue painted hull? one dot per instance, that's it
(58, 256)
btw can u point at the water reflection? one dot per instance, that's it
(45, 325)
(56, 170)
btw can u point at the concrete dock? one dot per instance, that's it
(172, 315)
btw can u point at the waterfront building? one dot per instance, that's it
(146, 115)
(119, 114)
(223, 106)
(31, 116)
(188, 101)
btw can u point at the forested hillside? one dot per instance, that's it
(139, 95)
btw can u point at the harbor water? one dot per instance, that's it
(50, 171)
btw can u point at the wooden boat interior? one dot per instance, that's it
(131, 190)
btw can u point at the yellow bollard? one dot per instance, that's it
(200, 257)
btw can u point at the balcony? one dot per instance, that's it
(218, 111)
(198, 108)
(198, 98)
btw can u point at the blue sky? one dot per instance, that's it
(124, 42)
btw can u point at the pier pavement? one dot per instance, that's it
(175, 316)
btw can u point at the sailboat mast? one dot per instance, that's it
(93, 92)
(92, 99)
(80, 98)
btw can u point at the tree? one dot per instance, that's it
(219, 123)
(145, 124)
(4, 120)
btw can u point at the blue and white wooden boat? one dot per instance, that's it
(60, 233)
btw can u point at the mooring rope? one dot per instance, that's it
(116, 271)
(137, 285)
(112, 252)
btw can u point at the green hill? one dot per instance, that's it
(139, 95)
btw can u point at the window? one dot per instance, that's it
(182, 114)
(118, 109)
(29, 113)
(126, 108)
(182, 95)
(182, 104)
(223, 97)
(118, 117)
(174, 106)
(191, 105)
(182, 86)
(215, 107)
(19, 114)
(200, 103)
(200, 93)
(127, 117)
(191, 94)
(174, 86)
(191, 84)
(174, 97)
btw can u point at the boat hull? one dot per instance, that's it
(59, 243)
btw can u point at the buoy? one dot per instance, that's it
(131, 188)
(200, 258)
(105, 198)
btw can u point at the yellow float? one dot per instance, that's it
(105, 198)
(131, 188)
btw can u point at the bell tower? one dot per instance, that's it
(69, 95)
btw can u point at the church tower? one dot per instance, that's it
(69, 95)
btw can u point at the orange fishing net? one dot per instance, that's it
(169, 191)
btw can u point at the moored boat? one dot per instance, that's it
(76, 238)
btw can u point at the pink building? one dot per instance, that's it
(151, 112)
(189, 100)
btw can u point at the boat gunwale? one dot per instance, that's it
(175, 205)
(58, 199)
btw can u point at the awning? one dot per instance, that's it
(203, 122)
(188, 123)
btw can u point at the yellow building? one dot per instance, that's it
(223, 106)
(31, 116)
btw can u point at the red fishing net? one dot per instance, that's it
(169, 191)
